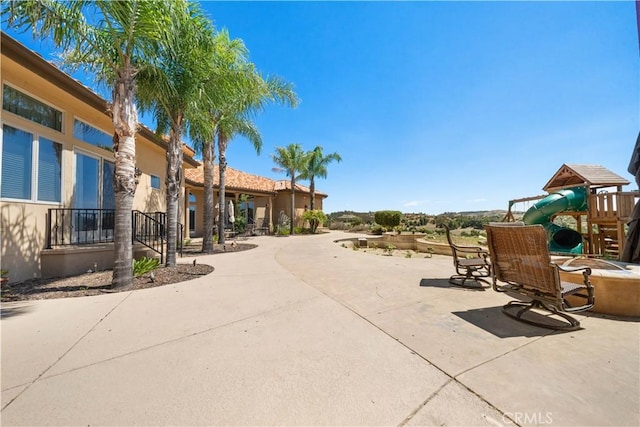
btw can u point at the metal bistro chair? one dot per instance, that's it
(471, 264)
(520, 259)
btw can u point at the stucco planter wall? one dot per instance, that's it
(414, 242)
(617, 292)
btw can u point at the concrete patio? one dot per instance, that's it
(301, 331)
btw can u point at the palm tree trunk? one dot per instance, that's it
(293, 204)
(174, 179)
(207, 159)
(312, 190)
(222, 168)
(125, 121)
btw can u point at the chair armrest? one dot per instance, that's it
(586, 272)
(573, 269)
(471, 249)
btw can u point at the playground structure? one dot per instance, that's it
(592, 195)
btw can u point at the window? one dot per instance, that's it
(89, 134)
(25, 106)
(49, 170)
(155, 182)
(27, 160)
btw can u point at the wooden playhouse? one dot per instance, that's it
(602, 224)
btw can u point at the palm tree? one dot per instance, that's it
(252, 93)
(317, 167)
(227, 128)
(294, 161)
(114, 41)
(207, 149)
(229, 56)
(176, 94)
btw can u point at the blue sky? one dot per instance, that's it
(442, 106)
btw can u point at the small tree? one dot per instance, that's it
(388, 219)
(315, 218)
(293, 161)
(317, 167)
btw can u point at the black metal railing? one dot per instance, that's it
(149, 229)
(68, 227)
(79, 226)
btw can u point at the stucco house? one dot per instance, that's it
(56, 173)
(56, 177)
(267, 199)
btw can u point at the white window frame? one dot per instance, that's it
(35, 156)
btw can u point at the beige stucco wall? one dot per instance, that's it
(23, 224)
(282, 202)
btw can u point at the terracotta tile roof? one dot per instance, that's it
(285, 185)
(237, 180)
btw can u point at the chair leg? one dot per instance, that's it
(459, 280)
(571, 325)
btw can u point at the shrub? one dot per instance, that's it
(240, 224)
(336, 225)
(376, 229)
(388, 219)
(315, 218)
(283, 231)
(355, 221)
(144, 265)
(360, 227)
(298, 230)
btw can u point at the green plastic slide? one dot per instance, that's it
(561, 239)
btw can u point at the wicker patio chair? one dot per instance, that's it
(520, 260)
(471, 264)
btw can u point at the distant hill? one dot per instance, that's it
(363, 215)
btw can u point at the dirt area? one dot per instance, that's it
(100, 282)
(403, 253)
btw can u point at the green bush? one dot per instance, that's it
(144, 265)
(376, 229)
(282, 231)
(315, 218)
(388, 219)
(240, 224)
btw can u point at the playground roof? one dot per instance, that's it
(590, 175)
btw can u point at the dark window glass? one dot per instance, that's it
(155, 182)
(108, 193)
(91, 135)
(31, 109)
(17, 151)
(49, 170)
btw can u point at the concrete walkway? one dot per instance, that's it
(301, 331)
